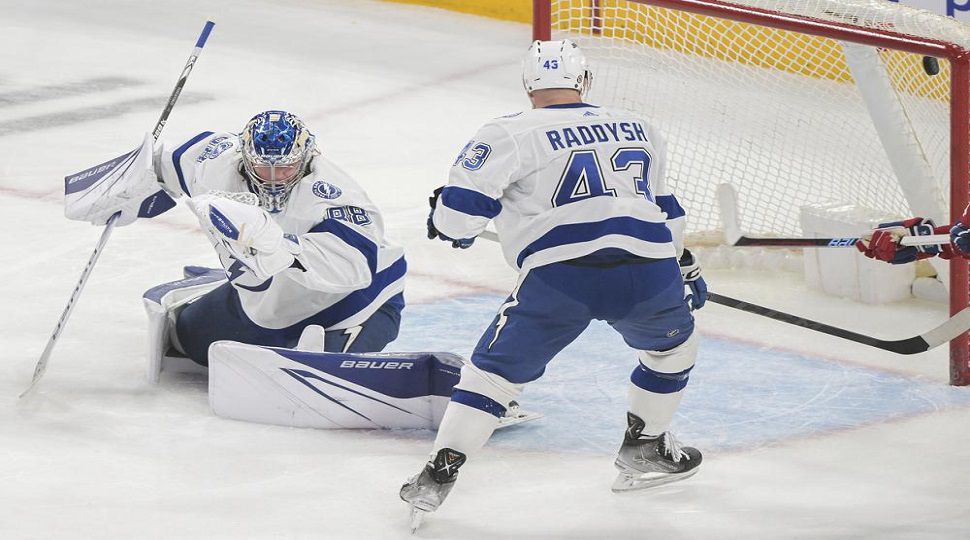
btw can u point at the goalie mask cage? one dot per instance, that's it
(793, 102)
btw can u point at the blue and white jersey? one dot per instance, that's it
(564, 181)
(348, 268)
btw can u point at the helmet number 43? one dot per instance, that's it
(551, 64)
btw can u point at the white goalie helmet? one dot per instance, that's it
(555, 64)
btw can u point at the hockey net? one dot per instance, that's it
(792, 102)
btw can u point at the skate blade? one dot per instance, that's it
(516, 419)
(417, 515)
(625, 482)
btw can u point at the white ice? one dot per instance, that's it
(804, 436)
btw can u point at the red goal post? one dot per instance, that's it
(622, 33)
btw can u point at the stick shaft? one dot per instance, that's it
(41, 366)
(911, 345)
(177, 91)
(747, 241)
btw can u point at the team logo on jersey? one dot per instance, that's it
(672, 333)
(326, 190)
(215, 147)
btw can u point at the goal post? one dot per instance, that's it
(794, 102)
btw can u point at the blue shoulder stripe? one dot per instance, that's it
(669, 204)
(470, 202)
(177, 158)
(574, 233)
(351, 238)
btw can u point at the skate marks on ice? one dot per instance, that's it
(103, 97)
(740, 395)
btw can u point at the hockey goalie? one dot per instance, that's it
(291, 327)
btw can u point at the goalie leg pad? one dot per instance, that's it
(163, 304)
(330, 390)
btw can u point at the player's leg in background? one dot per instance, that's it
(373, 334)
(661, 328)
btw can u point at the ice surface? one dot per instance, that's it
(805, 436)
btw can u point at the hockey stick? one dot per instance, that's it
(41, 366)
(949, 330)
(727, 203)
(953, 327)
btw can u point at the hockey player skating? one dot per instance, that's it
(580, 203)
(883, 243)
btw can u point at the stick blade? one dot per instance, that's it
(727, 203)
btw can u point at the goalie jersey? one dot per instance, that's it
(562, 182)
(346, 270)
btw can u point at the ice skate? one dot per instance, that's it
(515, 415)
(426, 491)
(646, 462)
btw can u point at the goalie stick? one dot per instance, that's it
(949, 330)
(727, 203)
(41, 366)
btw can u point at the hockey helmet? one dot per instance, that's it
(555, 64)
(276, 151)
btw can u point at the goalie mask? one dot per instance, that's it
(555, 64)
(276, 151)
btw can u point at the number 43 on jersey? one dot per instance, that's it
(583, 176)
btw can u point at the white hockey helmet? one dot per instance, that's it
(555, 64)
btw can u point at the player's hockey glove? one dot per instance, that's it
(960, 238)
(883, 242)
(247, 233)
(433, 232)
(691, 270)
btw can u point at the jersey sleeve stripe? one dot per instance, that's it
(360, 299)
(470, 202)
(352, 238)
(177, 158)
(573, 233)
(670, 206)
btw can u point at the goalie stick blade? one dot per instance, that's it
(953, 327)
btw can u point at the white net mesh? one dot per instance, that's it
(775, 113)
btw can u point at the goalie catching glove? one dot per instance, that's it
(883, 243)
(691, 271)
(126, 186)
(247, 232)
